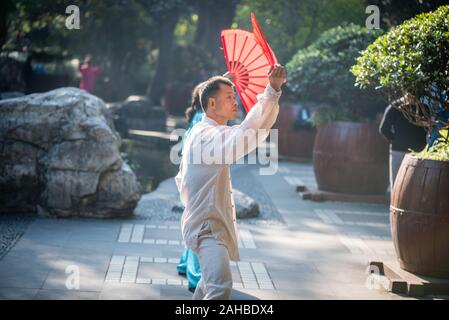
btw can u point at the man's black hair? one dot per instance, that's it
(210, 88)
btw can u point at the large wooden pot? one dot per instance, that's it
(351, 157)
(419, 216)
(293, 142)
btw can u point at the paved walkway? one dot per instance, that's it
(320, 252)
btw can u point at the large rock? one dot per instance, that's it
(245, 206)
(60, 156)
(12, 76)
(138, 113)
(11, 95)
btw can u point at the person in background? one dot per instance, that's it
(88, 74)
(402, 136)
(438, 101)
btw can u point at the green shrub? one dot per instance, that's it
(325, 114)
(409, 58)
(321, 72)
(439, 151)
(412, 61)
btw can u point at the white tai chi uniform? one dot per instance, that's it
(208, 223)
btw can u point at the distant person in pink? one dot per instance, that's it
(88, 74)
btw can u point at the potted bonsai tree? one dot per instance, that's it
(411, 65)
(349, 155)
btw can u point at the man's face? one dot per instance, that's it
(225, 104)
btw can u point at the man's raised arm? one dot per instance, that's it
(239, 140)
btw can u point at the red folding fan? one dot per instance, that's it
(248, 58)
(260, 39)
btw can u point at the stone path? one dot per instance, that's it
(302, 250)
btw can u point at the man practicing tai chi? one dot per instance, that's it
(208, 223)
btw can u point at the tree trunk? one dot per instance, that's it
(213, 16)
(157, 87)
(5, 10)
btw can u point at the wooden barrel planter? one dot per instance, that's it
(419, 216)
(293, 142)
(351, 157)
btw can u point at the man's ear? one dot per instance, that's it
(211, 103)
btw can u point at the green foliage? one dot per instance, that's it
(325, 114)
(30, 24)
(190, 64)
(291, 24)
(409, 58)
(321, 72)
(439, 151)
(394, 12)
(123, 37)
(119, 36)
(185, 30)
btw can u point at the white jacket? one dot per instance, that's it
(204, 180)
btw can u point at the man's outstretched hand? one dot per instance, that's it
(277, 77)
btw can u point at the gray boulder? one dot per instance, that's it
(59, 156)
(138, 113)
(245, 206)
(11, 95)
(12, 75)
(163, 204)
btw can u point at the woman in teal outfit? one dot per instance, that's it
(189, 265)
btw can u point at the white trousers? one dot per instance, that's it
(216, 276)
(396, 158)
